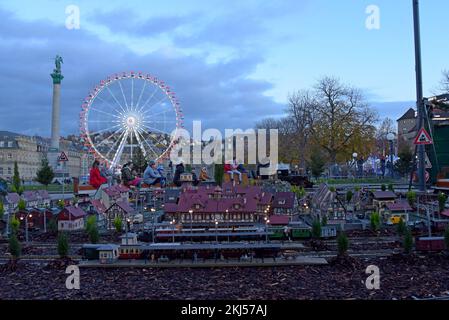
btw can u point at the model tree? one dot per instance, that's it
(2, 210)
(16, 182)
(317, 163)
(63, 245)
(21, 205)
(316, 229)
(15, 224)
(349, 195)
(218, 174)
(411, 198)
(343, 244)
(14, 247)
(442, 198)
(404, 164)
(45, 174)
(408, 241)
(375, 221)
(401, 227)
(118, 224)
(92, 229)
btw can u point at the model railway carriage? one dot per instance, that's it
(299, 232)
(170, 251)
(430, 244)
(130, 252)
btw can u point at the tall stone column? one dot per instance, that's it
(54, 150)
(56, 106)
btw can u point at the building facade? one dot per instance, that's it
(407, 130)
(28, 152)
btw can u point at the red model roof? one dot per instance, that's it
(399, 206)
(125, 206)
(279, 220)
(384, 195)
(445, 213)
(284, 200)
(211, 200)
(71, 213)
(98, 205)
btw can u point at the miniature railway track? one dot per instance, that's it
(317, 254)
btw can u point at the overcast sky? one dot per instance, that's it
(230, 62)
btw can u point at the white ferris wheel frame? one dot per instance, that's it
(129, 128)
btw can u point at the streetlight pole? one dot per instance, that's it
(45, 221)
(229, 224)
(419, 93)
(390, 138)
(26, 225)
(173, 223)
(354, 164)
(216, 230)
(153, 212)
(191, 225)
(266, 230)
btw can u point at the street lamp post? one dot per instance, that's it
(127, 229)
(7, 224)
(45, 221)
(228, 222)
(354, 157)
(153, 212)
(390, 138)
(191, 225)
(267, 221)
(26, 225)
(216, 230)
(173, 229)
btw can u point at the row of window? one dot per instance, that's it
(7, 144)
(129, 251)
(210, 217)
(6, 171)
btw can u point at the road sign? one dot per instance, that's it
(63, 157)
(423, 138)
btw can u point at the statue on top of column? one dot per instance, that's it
(58, 61)
(57, 75)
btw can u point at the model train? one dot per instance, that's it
(171, 251)
(430, 244)
(234, 234)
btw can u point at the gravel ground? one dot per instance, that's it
(401, 278)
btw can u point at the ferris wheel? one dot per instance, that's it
(130, 113)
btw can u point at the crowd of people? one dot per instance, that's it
(153, 175)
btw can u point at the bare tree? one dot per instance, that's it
(387, 126)
(300, 110)
(286, 140)
(340, 115)
(445, 81)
